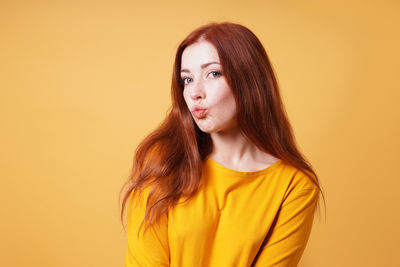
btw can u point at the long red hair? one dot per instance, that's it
(170, 158)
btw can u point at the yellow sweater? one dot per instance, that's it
(237, 219)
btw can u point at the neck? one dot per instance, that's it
(233, 147)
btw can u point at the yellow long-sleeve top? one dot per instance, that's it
(238, 219)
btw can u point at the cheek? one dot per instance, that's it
(185, 97)
(231, 108)
(227, 101)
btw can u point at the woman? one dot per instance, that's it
(220, 182)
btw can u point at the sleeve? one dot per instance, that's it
(150, 248)
(288, 237)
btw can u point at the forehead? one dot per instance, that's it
(197, 54)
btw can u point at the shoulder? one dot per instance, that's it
(298, 182)
(140, 196)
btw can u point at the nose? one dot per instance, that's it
(198, 91)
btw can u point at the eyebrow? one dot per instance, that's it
(202, 66)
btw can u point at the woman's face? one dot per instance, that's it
(206, 92)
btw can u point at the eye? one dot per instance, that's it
(185, 80)
(215, 74)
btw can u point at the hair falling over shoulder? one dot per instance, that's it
(169, 160)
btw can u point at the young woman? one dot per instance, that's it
(220, 182)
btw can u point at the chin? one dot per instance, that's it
(206, 129)
(213, 129)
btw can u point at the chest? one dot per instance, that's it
(234, 215)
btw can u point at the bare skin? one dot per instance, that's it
(234, 151)
(205, 86)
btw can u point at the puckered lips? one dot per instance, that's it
(199, 111)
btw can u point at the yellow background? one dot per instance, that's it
(82, 82)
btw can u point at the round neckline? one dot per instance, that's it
(263, 171)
